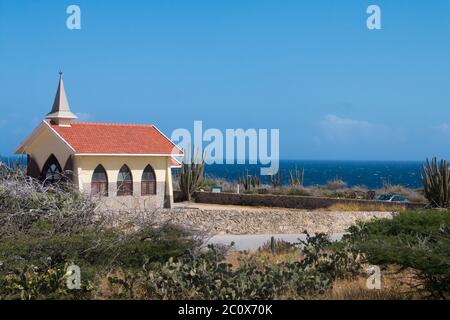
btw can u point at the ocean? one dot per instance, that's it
(372, 174)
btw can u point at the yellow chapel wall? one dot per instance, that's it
(45, 144)
(84, 167)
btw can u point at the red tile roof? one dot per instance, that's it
(109, 138)
(174, 163)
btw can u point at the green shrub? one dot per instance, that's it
(47, 227)
(95, 250)
(412, 239)
(35, 283)
(191, 175)
(153, 245)
(208, 276)
(435, 180)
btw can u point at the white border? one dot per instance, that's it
(129, 154)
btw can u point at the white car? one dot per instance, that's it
(391, 198)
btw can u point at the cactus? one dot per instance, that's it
(191, 176)
(435, 179)
(276, 180)
(255, 181)
(246, 180)
(296, 180)
(272, 245)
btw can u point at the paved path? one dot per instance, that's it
(254, 241)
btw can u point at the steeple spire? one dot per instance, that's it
(61, 113)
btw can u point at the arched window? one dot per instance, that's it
(148, 184)
(51, 172)
(125, 182)
(33, 168)
(68, 169)
(99, 183)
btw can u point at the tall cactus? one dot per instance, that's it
(435, 179)
(276, 180)
(191, 176)
(255, 181)
(246, 180)
(296, 180)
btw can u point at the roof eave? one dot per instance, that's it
(20, 149)
(61, 115)
(176, 147)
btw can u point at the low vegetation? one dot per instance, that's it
(191, 175)
(366, 206)
(337, 188)
(435, 179)
(277, 246)
(333, 189)
(296, 178)
(415, 240)
(46, 229)
(43, 229)
(207, 275)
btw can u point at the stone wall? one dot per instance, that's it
(250, 220)
(131, 203)
(294, 202)
(134, 202)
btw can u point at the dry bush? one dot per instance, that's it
(336, 188)
(227, 186)
(24, 200)
(412, 195)
(207, 183)
(291, 191)
(37, 212)
(336, 184)
(363, 206)
(396, 284)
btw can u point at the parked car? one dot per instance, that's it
(391, 198)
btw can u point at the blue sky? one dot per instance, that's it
(335, 89)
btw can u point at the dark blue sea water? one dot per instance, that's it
(372, 174)
(15, 160)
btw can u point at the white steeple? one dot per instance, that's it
(61, 113)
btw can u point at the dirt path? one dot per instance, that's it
(254, 241)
